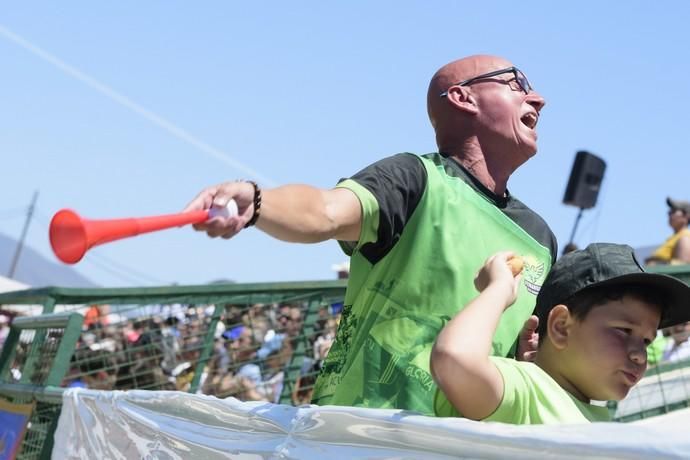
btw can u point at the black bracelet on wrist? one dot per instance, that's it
(257, 204)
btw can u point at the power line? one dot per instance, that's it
(113, 271)
(123, 275)
(124, 101)
(117, 265)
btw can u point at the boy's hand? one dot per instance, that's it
(499, 272)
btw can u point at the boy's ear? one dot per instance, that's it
(558, 326)
(462, 98)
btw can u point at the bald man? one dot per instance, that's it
(416, 228)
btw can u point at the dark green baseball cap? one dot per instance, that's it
(608, 264)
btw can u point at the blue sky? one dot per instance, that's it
(129, 108)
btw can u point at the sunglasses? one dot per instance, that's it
(519, 77)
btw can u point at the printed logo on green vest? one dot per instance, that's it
(420, 375)
(337, 355)
(533, 274)
(384, 288)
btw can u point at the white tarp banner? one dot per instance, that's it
(173, 425)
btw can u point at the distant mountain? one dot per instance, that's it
(37, 271)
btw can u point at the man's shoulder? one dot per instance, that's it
(532, 223)
(400, 166)
(516, 205)
(400, 159)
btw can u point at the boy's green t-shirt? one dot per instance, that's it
(655, 350)
(531, 397)
(400, 294)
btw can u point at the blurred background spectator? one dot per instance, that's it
(4, 328)
(343, 269)
(678, 344)
(676, 249)
(570, 247)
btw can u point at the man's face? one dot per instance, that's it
(607, 351)
(507, 117)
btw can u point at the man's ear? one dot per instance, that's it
(558, 326)
(463, 99)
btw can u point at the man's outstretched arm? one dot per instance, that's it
(294, 213)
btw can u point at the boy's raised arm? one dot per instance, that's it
(460, 358)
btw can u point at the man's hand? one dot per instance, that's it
(218, 196)
(528, 341)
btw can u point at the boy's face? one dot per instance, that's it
(607, 351)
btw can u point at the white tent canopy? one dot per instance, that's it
(8, 284)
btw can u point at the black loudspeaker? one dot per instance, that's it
(585, 180)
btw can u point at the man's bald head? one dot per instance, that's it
(490, 121)
(454, 72)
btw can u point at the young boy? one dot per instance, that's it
(598, 310)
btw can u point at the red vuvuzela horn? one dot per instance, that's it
(71, 235)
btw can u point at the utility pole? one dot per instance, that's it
(20, 244)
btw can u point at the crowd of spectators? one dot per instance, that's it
(252, 353)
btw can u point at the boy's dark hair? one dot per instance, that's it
(582, 302)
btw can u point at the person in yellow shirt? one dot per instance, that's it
(676, 249)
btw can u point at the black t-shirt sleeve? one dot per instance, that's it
(398, 183)
(533, 224)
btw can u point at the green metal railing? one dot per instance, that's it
(105, 357)
(146, 304)
(682, 272)
(125, 345)
(34, 357)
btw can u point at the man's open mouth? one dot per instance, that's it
(530, 119)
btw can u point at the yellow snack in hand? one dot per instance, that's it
(516, 264)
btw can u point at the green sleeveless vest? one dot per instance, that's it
(395, 308)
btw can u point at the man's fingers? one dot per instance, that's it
(228, 224)
(529, 356)
(531, 325)
(529, 339)
(202, 201)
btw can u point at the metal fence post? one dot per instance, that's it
(207, 347)
(295, 367)
(39, 339)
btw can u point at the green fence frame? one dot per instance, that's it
(209, 294)
(315, 292)
(71, 324)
